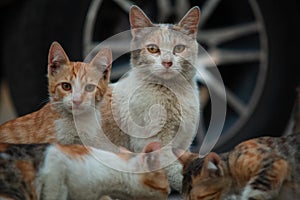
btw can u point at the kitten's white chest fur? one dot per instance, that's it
(82, 129)
(149, 111)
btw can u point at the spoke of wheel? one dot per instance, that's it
(236, 104)
(164, 9)
(218, 36)
(221, 57)
(207, 10)
(116, 46)
(181, 8)
(89, 25)
(124, 4)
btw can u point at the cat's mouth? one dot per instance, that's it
(76, 109)
(81, 109)
(166, 73)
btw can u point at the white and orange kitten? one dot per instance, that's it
(75, 90)
(158, 100)
(54, 171)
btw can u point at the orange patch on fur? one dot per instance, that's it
(27, 169)
(28, 172)
(74, 150)
(157, 180)
(5, 197)
(125, 156)
(250, 144)
(3, 147)
(281, 171)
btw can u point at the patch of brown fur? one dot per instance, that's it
(5, 197)
(125, 154)
(156, 180)
(3, 147)
(109, 125)
(29, 174)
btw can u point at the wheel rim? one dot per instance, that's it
(228, 45)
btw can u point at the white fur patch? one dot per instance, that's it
(212, 166)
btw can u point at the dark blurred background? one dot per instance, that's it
(254, 44)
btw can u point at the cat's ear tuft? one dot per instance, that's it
(190, 21)
(138, 20)
(56, 58)
(212, 165)
(103, 62)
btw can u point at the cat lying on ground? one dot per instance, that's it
(264, 168)
(54, 171)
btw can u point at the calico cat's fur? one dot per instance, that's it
(158, 100)
(54, 171)
(264, 168)
(76, 90)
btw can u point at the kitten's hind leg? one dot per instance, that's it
(267, 184)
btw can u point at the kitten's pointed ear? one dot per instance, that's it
(157, 178)
(151, 155)
(56, 58)
(212, 165)
(190, 21)
(153, 146)
(184, 157)
(138, 19)
(103, 62)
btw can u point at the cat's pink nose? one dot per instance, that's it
(167, 64)
(77, 102)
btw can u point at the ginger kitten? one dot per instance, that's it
(55, 171)
(264, 168)
(75, 92)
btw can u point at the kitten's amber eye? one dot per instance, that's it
(152, 48)
(66, 86)
(90, 88)
(179, 48)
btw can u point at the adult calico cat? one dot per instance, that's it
(264, 168)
